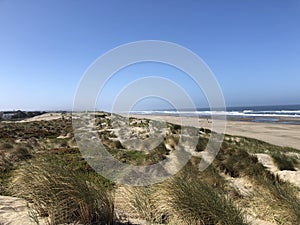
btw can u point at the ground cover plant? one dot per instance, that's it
(40, 161)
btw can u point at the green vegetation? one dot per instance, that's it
(10, 158)
(283, 161)
(235, 162)
(144, 202)
(194, 197)
(64, 195)
(39, 161)
(140, 157)
(239, 163)
(6, 146)
(190, 197)
(195, 202)
(252, 145)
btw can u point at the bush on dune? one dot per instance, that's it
(195, 202)
(6, 146)
(283, 161)
(63, 195)
(237, 163)
(190, 197)
(143, 202)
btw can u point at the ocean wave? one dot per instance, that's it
(247, 111)
(244, 113)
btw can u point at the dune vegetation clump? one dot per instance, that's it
(276, 196)
(283, 161)
(6, 146)
(195, 202)
(142, 202)
(194, 197)
(63, 195)
(190, 197)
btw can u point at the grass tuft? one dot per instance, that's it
(144, 202)
(63, 195)
(283, 161)
(6, 146)
(192, 201)
(190, 197)
(237, 162)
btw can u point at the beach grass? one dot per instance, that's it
(143, 202)
(61, 194)
(190, 197)
(195, 202)
(239, 163)
(283, 161)
(48, 170)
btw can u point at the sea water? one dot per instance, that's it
(287, 114)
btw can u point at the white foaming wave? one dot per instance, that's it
(247, 111)
(273, 112)
(153, 112)
(287, 111)
(244, 113)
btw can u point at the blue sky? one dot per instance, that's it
(252, 46)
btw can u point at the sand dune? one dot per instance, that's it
(43, 117)
(286, 135)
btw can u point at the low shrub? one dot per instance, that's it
(6, 146)
(234, 162)
(283, 162)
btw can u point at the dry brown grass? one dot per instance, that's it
(141, 202)
(63, 195)
(190, 197)
(274, 200)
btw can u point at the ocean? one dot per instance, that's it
(285, 114)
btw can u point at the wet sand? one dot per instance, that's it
(278, 134)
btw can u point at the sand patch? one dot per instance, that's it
(14, 211)
(286, 175)
(285, 135)
(43, 117)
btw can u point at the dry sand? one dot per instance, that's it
(286, 175)
(277, 134)
(14, 211)
(43, 117)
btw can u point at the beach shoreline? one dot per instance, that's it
(281, 134)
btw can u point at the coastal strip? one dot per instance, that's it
(286, 135)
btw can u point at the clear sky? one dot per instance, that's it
(252, 46)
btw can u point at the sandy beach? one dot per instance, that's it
(278, 134)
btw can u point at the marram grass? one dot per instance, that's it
(62, 195)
